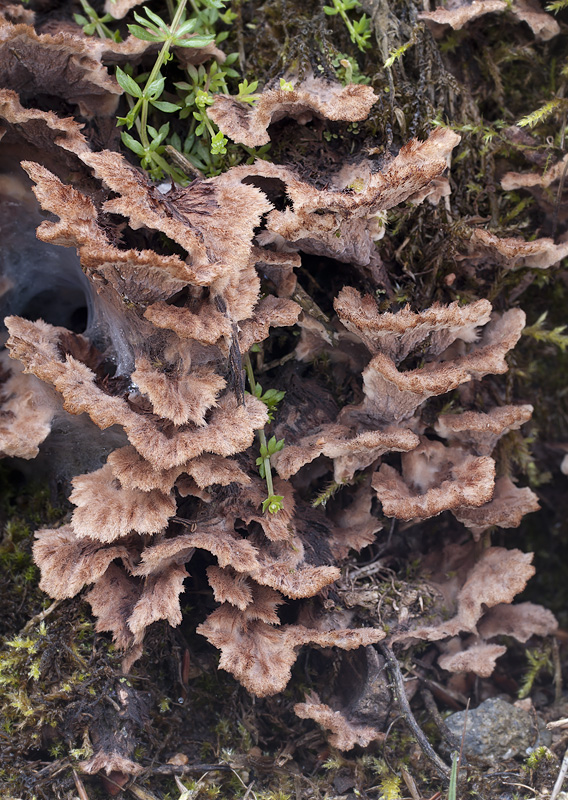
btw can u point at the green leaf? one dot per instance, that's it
(155, 89)
(219, 144)
(132, 144)
(175, 142)
(187, 27)
(154, 18)
(130, 118)
(330, 11)
(195, 41)
(273, 504)
(163, 105)
(453, 787)
(162, 133)
(128, 84)
(145, 35)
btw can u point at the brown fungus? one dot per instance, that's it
(249, 125)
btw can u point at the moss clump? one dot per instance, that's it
(53, 674)
(24, 507)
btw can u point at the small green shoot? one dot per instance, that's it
(359, 30)
(398, 52)
(270, 398)
(274, 502)
(181, 33)
(539, 661)
(92, 23)
(540, 115)
(556, 6)
(322, 498)
(556, 336)
(347, 70)
(390, 786)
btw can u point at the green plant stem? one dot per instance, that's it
(260, 431)
(355, 37)
(162, 56)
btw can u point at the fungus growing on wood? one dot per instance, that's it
(479, 659)
(312, 97)
(392, 395)
(107, 511)
(120, 8)
(506, 508)
(343, 734)
(396, 335)
(27, 409)
(349, 453)
(512, 252)
(434, 479)
(261, 656)
(338, 222)
(495, 578)
(160, 365)
(62, 62)
(543, 25)
(520, 620)
(479, 431)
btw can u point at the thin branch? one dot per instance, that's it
(140, 793)
(410, 784)
(443, 729)
(80, 786)
(561, 777)
(557, 671)
(404, 707)
(187, 769)
(41, 616)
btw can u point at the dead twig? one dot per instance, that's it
(187, 769)
(248, 792)
(558, 723)
(387, 734)
(140, 793)
(309, 305)
(41, 616)
(80, 786)
(410, 784)
(557, 670)
(561, 777)
(404, 706)
(432, 709)
(183, 163)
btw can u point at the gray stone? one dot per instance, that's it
(494, 731)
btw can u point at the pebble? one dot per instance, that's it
(496, 731)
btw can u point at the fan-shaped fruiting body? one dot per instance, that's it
(160, 365)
